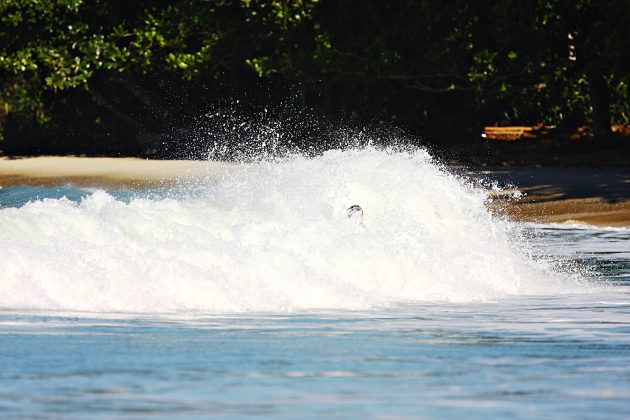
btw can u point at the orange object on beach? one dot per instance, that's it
(508, 133)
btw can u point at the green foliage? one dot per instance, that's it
(428, 62)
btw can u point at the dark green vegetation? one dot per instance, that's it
(111, 76)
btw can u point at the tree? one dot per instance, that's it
(107, 70)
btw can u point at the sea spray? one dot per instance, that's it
(272, 236)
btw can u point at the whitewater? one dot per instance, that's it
(273, 236)
(250, 292)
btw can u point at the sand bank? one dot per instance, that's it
(591, 196)
(589, 211)
(598, 197)
(104, 172)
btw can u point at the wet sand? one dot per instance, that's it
(589, 196)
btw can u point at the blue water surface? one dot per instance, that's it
(564, 356)
(21, 195)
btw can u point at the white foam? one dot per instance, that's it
(272, 237)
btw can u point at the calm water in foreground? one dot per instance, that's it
(563, 357)
(557, 355)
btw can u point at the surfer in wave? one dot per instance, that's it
(355, 213)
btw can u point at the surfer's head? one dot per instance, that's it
(355, 212)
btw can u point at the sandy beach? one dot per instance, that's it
(590, 196)
(104, 172)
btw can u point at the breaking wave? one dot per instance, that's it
(272, 236)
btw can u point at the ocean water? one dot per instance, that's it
(253, 294)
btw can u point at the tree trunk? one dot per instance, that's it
(600, 102)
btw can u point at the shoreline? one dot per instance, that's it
(105, 172)
(578, 211)
(598, 197)
(587, 196)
